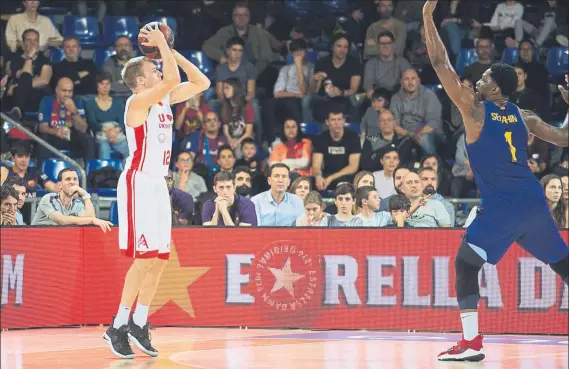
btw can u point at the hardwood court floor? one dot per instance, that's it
(218, 348)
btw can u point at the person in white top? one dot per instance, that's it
(384, 178)
(142, 193)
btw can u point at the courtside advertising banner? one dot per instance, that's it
(384, 279)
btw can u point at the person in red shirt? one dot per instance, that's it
(190, 116)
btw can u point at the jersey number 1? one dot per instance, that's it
(166, 159)
(508, 136)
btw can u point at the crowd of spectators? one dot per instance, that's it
(389, 147)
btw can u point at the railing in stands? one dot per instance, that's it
(55, 151)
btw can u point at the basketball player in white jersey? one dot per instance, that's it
(142, 193)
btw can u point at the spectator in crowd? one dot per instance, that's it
(185, 179)
(384, 178)
(549, 16)
(364, 178)
(243, 182)
(8, 206)
(48, 35)
(459, 18)
(430, 182)
(410, 12)
(228, 208)
(369, 126)
(250, 158)
(204, 145)
(301, 186)
(455, 125)
(259, 44)
(463, 178)
(565, 182)
(114, 65)
(538, 155)
(313, 211)
(418, 113)
(386, 22)
(30, 74)
(237, 114)
(385, 69)
(344, 199)
(443, 174)
(419, 58)
(374, 147)
(430, 214)
(293, 149)
(484, 51)
(190, 116)
(291, 98)
(400, 211)
(81, 71)
(105, 117)
(367, 199)
(70, 206)
(553, 189)
(276, 207)
(33, 177)
(18, 184)
(225, 162)
(182, 203)
(524, 97)
(63, 123)
(336, 155)
(398, 174)
(537, 74)
(335, 81)
(503, 21)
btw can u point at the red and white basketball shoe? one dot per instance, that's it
(464, 351)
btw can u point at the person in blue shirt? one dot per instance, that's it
(63, 125)
(276, 207)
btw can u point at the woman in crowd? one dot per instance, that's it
(364, 178)
(292, 149)
(301, 186)
(553, 191)
(105, 116)
(237, 115)
(313, 211)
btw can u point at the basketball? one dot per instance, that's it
(152, 52)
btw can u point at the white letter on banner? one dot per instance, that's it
(334, 281)
(546, 295)
(13, 278)
(234, 279)
(376, 280)
(564, 298)
(410, 271)
(490, 286)
(442, 283)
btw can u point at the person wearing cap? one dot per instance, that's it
(33, 176)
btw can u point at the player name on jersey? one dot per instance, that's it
(505, 119)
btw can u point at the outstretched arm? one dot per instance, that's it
(197, 81)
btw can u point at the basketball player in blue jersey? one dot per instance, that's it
(513, 206)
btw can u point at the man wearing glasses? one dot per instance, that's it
(203, 146)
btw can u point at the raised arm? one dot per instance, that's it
(197, 81)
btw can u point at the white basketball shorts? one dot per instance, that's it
(145, 216)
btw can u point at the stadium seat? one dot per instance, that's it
(465, 58)
(510, 55)
(114, 26)
(354, 127)
(101, 55)
(311, 56)
(170, 21)
(434, 88)
(86, 29)
(106, 192)
(114, 213)
(200, 60)
(310, 128)
(56, 55)
(557, 61)
(52, 167)
(100, 163)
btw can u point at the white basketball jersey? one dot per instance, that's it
(150, 144)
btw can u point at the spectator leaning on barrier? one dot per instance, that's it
(70, 206)
(429, 181)
(8, 206)
(182, 203)
(367, 199)
(344, 199)
(276, 207)
(19, 184)
(228, 208)
(430, 214)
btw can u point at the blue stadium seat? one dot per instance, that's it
(434, 88)
(86, 29)
(465, 58)
(557, 61)
(101, 55)
(106, 192)
(510, 55)
(52, 167)
(311, 56)
(114, 26)
(100, 163)
(169, 21)
(354, 127)
(200, 60)
(310, 128)
(56, 55)
(114, 213)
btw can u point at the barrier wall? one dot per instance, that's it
(306, 278)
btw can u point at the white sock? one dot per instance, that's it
(469, 325)
(122, 316)
(140, 315)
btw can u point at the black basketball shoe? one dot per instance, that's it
(118, 341)
(141, 338)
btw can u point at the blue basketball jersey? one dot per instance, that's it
(499, 158)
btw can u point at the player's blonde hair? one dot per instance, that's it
(133, 69)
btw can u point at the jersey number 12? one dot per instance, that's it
(508, 136)
(166, 159)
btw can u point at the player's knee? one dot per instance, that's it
(467, 287)
(143, 266)
(562, 268)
